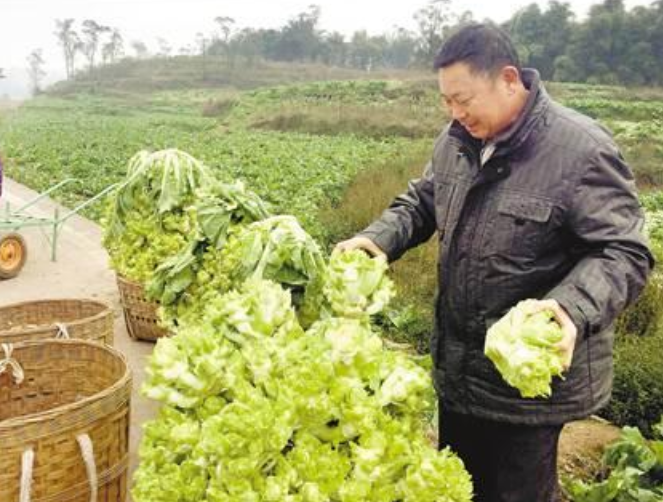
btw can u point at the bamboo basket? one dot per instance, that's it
(64, 422)
(140, 314)
(66, 318)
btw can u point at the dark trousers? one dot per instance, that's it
(508, 463)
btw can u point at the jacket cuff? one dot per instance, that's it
(382, 239)
(572, 305)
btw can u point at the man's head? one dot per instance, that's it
(479, 78)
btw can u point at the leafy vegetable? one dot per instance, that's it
(353, 285)
(276, 249)
(146, 241)
(220, 205)
(206, 356)
(218, 208)
(635, 467)
(150, 219)
(522, 347)
(168, 177)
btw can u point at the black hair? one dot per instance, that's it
(484, 47)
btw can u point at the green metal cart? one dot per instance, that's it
(13, 248)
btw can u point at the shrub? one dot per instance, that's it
(645, 316)
(637, 397)
(218, 107)
(638, 387)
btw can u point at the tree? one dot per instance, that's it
(433, 23)
(334, 49)
(140, 49)
(247, 43)
(164, 47)
(225, 26)
(600, 44)
(114, 48)
(221, 45)
(525, 28)
(269, 42)
(464, 19)
(400, 49)
(566, 70)
(300, 38)
(91, 31)
(186, 50)
(36, 71)
(654, 30)
(643, 61)
(364, 51)
(558, 25)
(70, 42)
(541, 37)
(203, 42)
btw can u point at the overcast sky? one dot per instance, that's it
(29, 24)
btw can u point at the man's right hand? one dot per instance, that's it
(363, 243)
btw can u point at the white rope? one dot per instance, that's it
(9, 362)
(85, 443)
(87, 451)
(63, 332)
(27, 462)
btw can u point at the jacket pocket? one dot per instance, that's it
(518, 226)
(576, 384)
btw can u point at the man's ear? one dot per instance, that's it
(511, 76)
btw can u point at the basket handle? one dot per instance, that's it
(27, 461)
(87, 452)
(85, 443)
(10, 362)
(63, 332)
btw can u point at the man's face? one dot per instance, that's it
(480, 102)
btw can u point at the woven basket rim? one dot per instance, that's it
(105, 309)
(121, 382)
(126, 279)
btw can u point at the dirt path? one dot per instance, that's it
(581, 447)
(81, 271)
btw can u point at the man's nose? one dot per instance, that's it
(457, 113)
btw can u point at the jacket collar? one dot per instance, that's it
(515, 135)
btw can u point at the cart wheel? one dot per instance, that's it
(13, 253)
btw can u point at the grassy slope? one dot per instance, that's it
(184, 72)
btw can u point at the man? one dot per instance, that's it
(530, 200)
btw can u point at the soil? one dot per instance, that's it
(581, 446)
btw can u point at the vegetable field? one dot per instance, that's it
(92, 138)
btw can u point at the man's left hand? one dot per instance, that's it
(570, 333)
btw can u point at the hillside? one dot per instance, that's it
(194, 72)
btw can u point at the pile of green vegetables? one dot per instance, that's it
(151, 217)
(275, 386)
(167, 215)
(258, 409)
